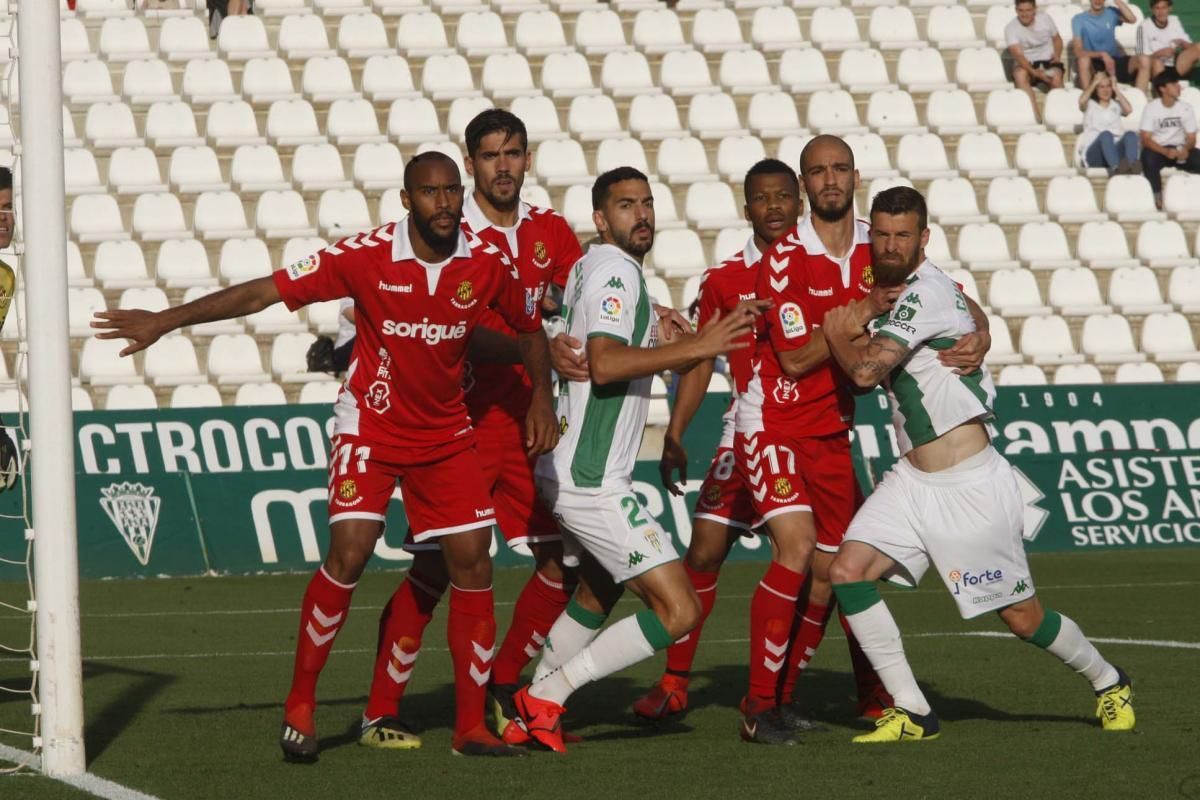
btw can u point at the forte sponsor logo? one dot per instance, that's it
(429, 332)
(969, 579)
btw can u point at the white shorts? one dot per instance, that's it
(966, 520)
(610, 523)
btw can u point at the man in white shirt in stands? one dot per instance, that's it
(1162, 42)
(1035, 48)
(1168, 132)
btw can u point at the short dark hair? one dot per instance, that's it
(1023, 2)
(6, 178)
(494, 120)
(769, 166)
(605, 181)
(1168, 75)
(901, 200)
(422, 158)
(1153, 3)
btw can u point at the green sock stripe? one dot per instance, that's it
(653, 630)
(857, 597)
(1047, 632)
(588, 619)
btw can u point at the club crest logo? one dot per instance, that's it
(782, 487)
(711, 497)
(541, 259)
(868, 276)
(562, 425)
(652, 539)
(133, 509)
(464, 296)
(347, 489)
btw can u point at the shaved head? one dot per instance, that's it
(422, 162)
(821, 144)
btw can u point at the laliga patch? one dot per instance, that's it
(305, 266)
(611, 310)
(791, 321)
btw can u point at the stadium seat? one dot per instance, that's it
(414, 120)
(892, 113)
(327, 78)
(716, 30)
(1001, 352)
(1047, 340)
(82, 305)
(172, 361)
(1162, 245)
(446, 77)
(540, 32)
(1077, 374)
(195, 169)
(1012, 201)
(293, 122)
(773, 115)
(729, 241)
(1040, 155)
(938, 250)
(1043, 245)
(736, 154)
(684, 73)
(234, 359)
(1145, 372)
(599, 31)
(120, 265)
(803, 70)
(303, 36)
(81, 173)
(353, 122)
(317, 167)
(184, 39)
(299, 247)
(288, 362)
(386, 78)
(243, 260)
(870, 155)
(220, 215)
(210, 328)
(922, 157)
(833, 111)
(683, 160)
(168, 125)
(257, 168)
(775, 28)
(922, 70)
(1108, 339)
(342, 212)
(242, 38)
(96, 218)
(745, 72)
(1129, 199)
(714, 116)
(1102, 245)
(983, 247)
(577, 209)
(1183, 289)
(952, 112)
(540, 117)
(1021, 375)
(1014, 293)
(281, 215)
(377, 166)
(591, 118)
(87, 81)
(561, 162)
(195, 395)
(1134, 291)
(711, 206)
(422, 34)
(205, 81)
(834, 29)
(950, 27)
(1070, 199)
(1074, 292)
(1168, 338)
(1060, 110)
(1181, 197)
(654, 117)
(1009, 111)
(678, 253)
(233, 124)
(507, 75)
(893, 28)
(979, 70)
(130, 397)
(863, 70)
(260, 394)
(613, 153)
(873, 188)
(183, 263)
(566, 75)
(321, 392)
(952, 202)
(147, 81)
(626, 74)
(480, 34)
(362, 36)
(80, 399)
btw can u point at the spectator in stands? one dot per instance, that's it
(218, 10)
(1104, 142)
(1034, 49)
(1095, 45)
(1162, 42)
(1168, 132)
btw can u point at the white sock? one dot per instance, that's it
(622, 645)
(1079, 654)
(879, 637)
(566, 638)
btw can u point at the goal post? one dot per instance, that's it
(51, 437)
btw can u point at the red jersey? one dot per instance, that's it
(404, 384)
(804, 282)
(544, 248)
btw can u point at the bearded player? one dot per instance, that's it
(420, 287)
(498, 396)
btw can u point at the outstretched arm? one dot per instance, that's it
(144, 328)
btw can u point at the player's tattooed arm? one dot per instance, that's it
(865, 360)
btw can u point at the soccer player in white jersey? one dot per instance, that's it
(952, 500)
(588, 483)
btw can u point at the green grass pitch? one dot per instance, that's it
(184, 681)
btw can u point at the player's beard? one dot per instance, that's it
(434, 239)
(499, 202)
(889, 272)
(834, 213)
(638, 249)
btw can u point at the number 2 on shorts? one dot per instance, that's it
(634, 509)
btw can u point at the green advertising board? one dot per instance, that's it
(243, 489)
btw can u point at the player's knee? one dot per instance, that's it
(1023, 619)
(683, 614)
(843, 570)
(548, 560)
(705, 556)
(795, 555)
(345, 563)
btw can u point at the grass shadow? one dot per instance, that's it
(105, 725)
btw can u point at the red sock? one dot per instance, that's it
(401, 625)
(771, 612)
(811, 620)
(540, 603)
(322, 614)
(866, 680)
(472, 638)
(681, 654)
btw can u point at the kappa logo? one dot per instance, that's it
(615, 283)
(636, 558)
(464, 296)
(133, 509)
(1021, 588)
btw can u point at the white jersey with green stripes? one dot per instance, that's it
(928, 398)
(602, 426)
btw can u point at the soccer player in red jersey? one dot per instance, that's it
(791, 443)
(498, 394)
(420, 288)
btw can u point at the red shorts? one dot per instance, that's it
(802, 473)
(724, 497)
(508, 471)
(444, 490)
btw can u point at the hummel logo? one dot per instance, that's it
(751, 729)
(779, 285)
(778, 265)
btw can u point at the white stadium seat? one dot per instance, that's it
(952, 112)
(1102, 245)
(244, 37)
(317, 167)
(893, 28)
(342, 212)
(1145, 372)
(1129, 199)
(81, 172)
(1040, 155)
(82, 305)
(1014, 293)
(169, 125)
(599, 31)
(386, 78)
(540, 32)
(282, 215)
(182, 263)
(1009, 111)
(233, 124)
(260, 394)
(625, 74)
(195, 169)
(710, 206)
(1043, 245)
(1163, 245)
(685, 73)
(507, 75)
(96, 218)
(568, 75)
(1075, 292)
(288, 362)
(1021, 375)
(561, 162)
(413, 120)
(775, 28)
(1134, 291)
(1108, 339)
(362, 36)
(321, 392)
(715, 30)
(952, 201)
(303, 36)
(328, 78)
(892, 113)
(1183, 289)
(654, 117)
(111, 125)
(147, 81)
(257, 168)
(378, 166)
(983, 247)
(1047, 340)
(183, 39)
(714, 116)
(87, 81)
(863, 70)
(950, 27)
(683, 160)
(1168, 337)
(1013, 201)
(922, 70)
(293, 122)
(745, 72)
(195, 395)
(678, 253)
(803, 70)
(1070, 199)
(979, 70)
(130, 397)
(172, 361)
(422, 34)
(220, 215)
(870, 155)
(833, 111)
(206, 81)
(481, 33)
(119, 265)
(1060, 110)
(922, 156)
(833, 29)
(234, 359)
(613, 153)
(1181, 197)
(1077, 374)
